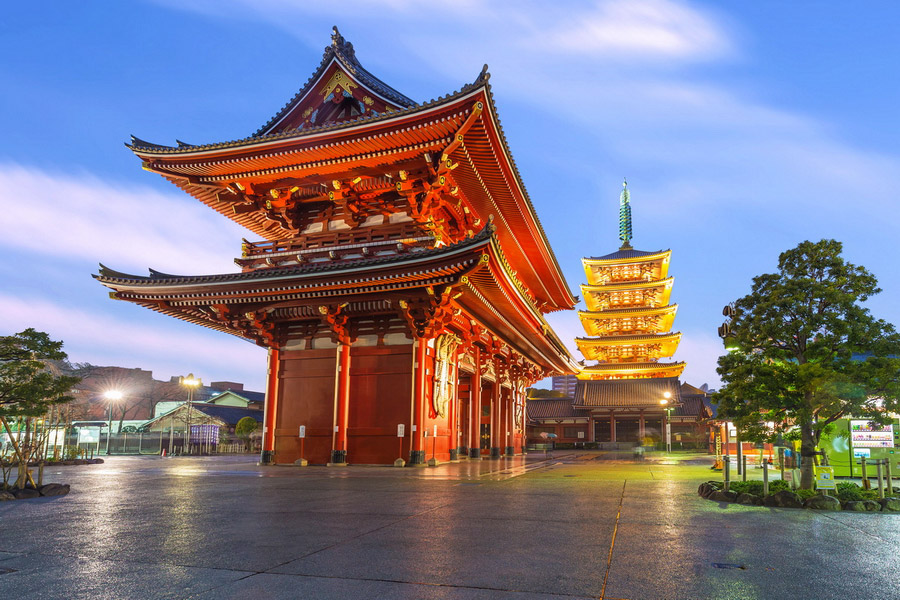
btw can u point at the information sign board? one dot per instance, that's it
(825, 478)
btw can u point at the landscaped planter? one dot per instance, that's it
(712, 490)
(50, 489)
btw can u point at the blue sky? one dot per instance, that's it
(743, 129)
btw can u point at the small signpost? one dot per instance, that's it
(401, 432)
(301, 433)
(825, 478)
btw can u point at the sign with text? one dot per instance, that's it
(302, 432)
(401, 430)
(825, 478)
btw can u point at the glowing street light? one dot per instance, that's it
(665, 404)
(191, 383)
(111, 396)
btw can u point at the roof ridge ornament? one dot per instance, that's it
(625, 216)
(339, 43)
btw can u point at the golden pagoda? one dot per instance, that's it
(628, 317)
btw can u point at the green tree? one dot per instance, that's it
(30, 384)
(245, 429)
(805, 352)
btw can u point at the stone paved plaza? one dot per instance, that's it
(577, 525)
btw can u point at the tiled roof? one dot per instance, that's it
(693, 407)
(107, 275)
(639, 393)
(229, 414)
(629, 253)
(550, 408)
(342, 50)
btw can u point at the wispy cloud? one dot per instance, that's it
(659, 29)
(80, 217)
(167, 349)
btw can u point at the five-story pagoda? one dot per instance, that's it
(628, 321)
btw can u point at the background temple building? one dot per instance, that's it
(401, 278)
(628, 394)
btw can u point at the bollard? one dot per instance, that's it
(765, 464)
(727, 472)
(880, 479)
(887, 475)
(865, 474)
(744, 467)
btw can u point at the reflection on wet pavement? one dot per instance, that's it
(575, 524)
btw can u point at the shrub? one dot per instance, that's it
(848, 491)
(804, 494)
(747, 487)
(778, 486)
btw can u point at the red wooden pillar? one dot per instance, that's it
(508, 422)
(641, 428)
(591, 437)
(417, 454)
(475, 409)
(271, 407)
(612, 426)
(453, 411)
(496, 422)
(339, 450)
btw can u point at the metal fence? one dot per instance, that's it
(143, 443)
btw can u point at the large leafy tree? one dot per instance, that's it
(806, 352)
(30, 384)
(29, 381)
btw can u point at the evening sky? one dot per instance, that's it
(743, 128)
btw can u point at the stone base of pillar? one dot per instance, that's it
(417, 458)
(495, 452)
(338, 458)
(267, 457)
(510, 451)
(454, 454)
(474, 453)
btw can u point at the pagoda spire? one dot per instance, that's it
(625, 216)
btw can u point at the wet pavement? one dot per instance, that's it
(575, 525)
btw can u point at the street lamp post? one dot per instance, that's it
(111, 396)
(191, 383)
(665, 404)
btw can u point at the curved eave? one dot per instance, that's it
(494, 294)
(276, 141)
(619, 313)
(636, 370)
(628, 285)
(636, 260)
(336, 270)
(592, 322)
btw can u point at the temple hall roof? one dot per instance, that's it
(625, 393)
(550, 408)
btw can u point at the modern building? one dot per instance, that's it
(564, 384)
(401, 276)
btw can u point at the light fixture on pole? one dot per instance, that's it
(111, 396)
(668, 408)
(190, 382)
